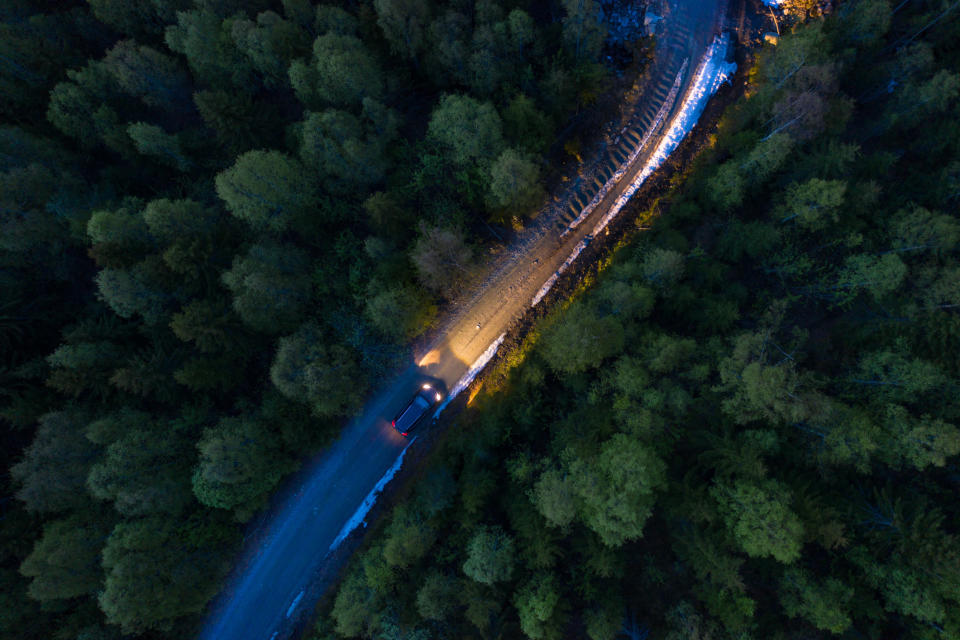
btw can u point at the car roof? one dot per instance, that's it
(414, 411)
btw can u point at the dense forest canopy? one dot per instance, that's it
(746, 427)
(220, 221)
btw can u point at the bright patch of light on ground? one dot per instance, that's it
(358, 516)
(471, 373)
(713, 71)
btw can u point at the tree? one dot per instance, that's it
(865, 22)
(726, 186)
(159, 570)
(268, 190)
(120, 236)
(240, 463)
(348, 159)
(580, 339)
(400, 311)
(136, 291)
(143, 472)
(616, 491)
(515, 183)
(490, 556)
(553, 495)
(605, 621)
(919, 230)
(205, 39)
(238, 123)
(525, 126)
(26, 226)
(442, 258)
(876, 275)
(409, 537)
(154, 78)
(583, 29)
(330, 19)
(65, 561)
(760, 519)
(403, 23)
(54, 468)
(271, 287)
(537, 603)
(139, 19)
(356, 608)
(919, 442)
(209, 324)
(447, 47)
(813, 204)
(436, 598)
(663, 268)
(892, 375)
(151, 140)
(469, 130)
(761, 381)
(825, 604)
(341, 73)
(306, 369)
(270, 44)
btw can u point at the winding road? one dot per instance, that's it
(271, 593)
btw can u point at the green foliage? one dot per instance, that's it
(54, 467)
(151, 140)
(355, 607)
(305, 370)
(470, 131)
(436, 597)
(268, 190)
(760, 519)
(403, 23)
(240, 464)
(536, 604)
(581, 339)
(616, 490)
(442, 258)
(824, 605)
(65, 562)
(583, 28)
(142, 472)
(514, 183)
(342, 73)
(174, 562)
(399, 311)
(490, 556)
(347, 157)
(271, 287)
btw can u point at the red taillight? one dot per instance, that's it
(403, 433)
(393, 423)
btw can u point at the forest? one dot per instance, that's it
(745, 425)
(220, 222)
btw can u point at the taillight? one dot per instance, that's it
(393, 423)
(403, 433)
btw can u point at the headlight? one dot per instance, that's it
(438, 397)
(426, 386)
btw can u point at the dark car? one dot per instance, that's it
(420, 405)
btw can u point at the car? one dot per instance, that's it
(421, 404)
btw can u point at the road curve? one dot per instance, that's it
(267, 597)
